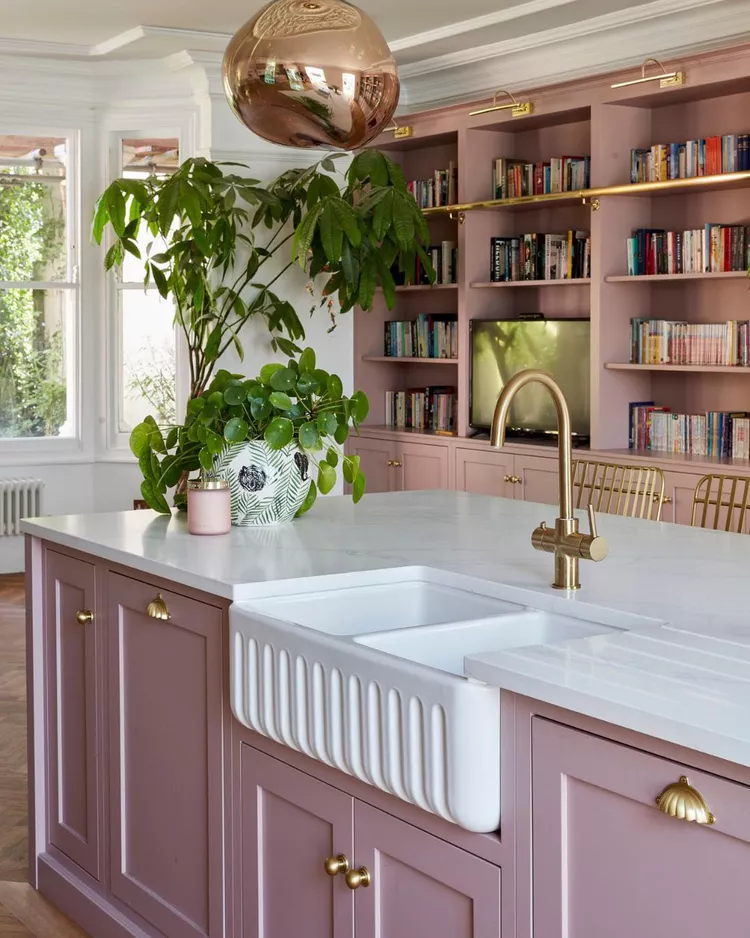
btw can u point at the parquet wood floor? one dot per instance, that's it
(23, 912)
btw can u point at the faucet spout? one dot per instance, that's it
(564, 541)
(500, 419)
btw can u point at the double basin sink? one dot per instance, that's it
(365, 672)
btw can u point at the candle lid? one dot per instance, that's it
(213, 483)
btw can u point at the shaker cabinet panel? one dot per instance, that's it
(539, 479)
(166, 757)
(419, 884)
(376, 461)
(421, 466)
(608, 861)
(72, 638)
(485, 473)
(289, 823)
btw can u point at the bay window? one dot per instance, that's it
(39, 293)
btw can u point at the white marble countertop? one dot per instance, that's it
(688, 683)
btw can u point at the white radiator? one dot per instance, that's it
(19, 498)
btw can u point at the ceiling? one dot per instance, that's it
(512, 41)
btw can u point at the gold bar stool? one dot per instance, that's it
(720, 502)
(616, 489)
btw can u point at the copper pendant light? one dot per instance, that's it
(311, 73)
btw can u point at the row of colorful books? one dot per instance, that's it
(513, 178)
(432, 408)
(440, 189)
(537, 256)
(711, 249)
(426, 337)
(444, 259)
(673, 342)
(715, 434)
(707, 157)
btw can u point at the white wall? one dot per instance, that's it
(98, 477)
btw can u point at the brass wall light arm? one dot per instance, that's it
(666, 79)
(516, 108)
(399, 132)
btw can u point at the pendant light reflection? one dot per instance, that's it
(311, 73)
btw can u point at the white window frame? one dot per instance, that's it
(118, 439)
(47, 449)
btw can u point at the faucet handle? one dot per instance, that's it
(592, 521)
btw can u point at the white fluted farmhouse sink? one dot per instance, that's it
(364, 671)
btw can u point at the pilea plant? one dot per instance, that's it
(296, 404)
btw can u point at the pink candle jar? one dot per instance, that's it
(208, 507)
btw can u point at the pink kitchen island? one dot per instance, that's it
(217, 750)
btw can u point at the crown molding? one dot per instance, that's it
(567, 54)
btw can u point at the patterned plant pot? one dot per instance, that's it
(267, 486)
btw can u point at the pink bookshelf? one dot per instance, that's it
(408, 360)
(579, 119)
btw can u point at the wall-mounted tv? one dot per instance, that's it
(501, 348)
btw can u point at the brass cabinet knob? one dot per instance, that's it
(514, 480)
(667, 500)
(336, 865)
(680, 800)
(158, 608)
(357, 878)
(396, 463)
(84, 616)
(389, 462)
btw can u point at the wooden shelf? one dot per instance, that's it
(573, 282)
(402, 360)
(715, 369)
(666, 187)
(648, 278)
(412, 287)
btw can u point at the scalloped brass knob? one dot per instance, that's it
(336, 865)
(357, 878)
(680, 800)
(158, 608)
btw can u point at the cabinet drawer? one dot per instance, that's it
(607, 861)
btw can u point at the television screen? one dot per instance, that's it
(501, 348)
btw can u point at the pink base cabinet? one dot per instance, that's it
(154, 814)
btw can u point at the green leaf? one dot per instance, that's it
(100, 218)
(156, 441)
(236, 430)
(139, 438)
(191, 203)
(307, 360)
(403, 219)
(332, 457)
(331, 235)
(279, 432)
(361, 405)
(283, 379)
(306, 384)
(160, 280)
(350, 266)
(116, 208)
(326, 478)
(358, 487)
(327, 423)
(267, 371)
(206, 459)
(347, 220)
(214, 442)
(235, 394)
(370, 164)
(304, 234)
(261, 408)
(342, 433)
(335, 387)
(172, 437)
(280, 400)
(350, 468)
(309, 438)
(213, 343)
(153, 497)
(312, 494)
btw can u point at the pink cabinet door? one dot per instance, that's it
(376, 459)
(420, 885)
(421, 466)
(539, 479)
(165, 759)
(72, 642)
(679, 488)
(485, 472)
(608, 862)
(288, 823)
